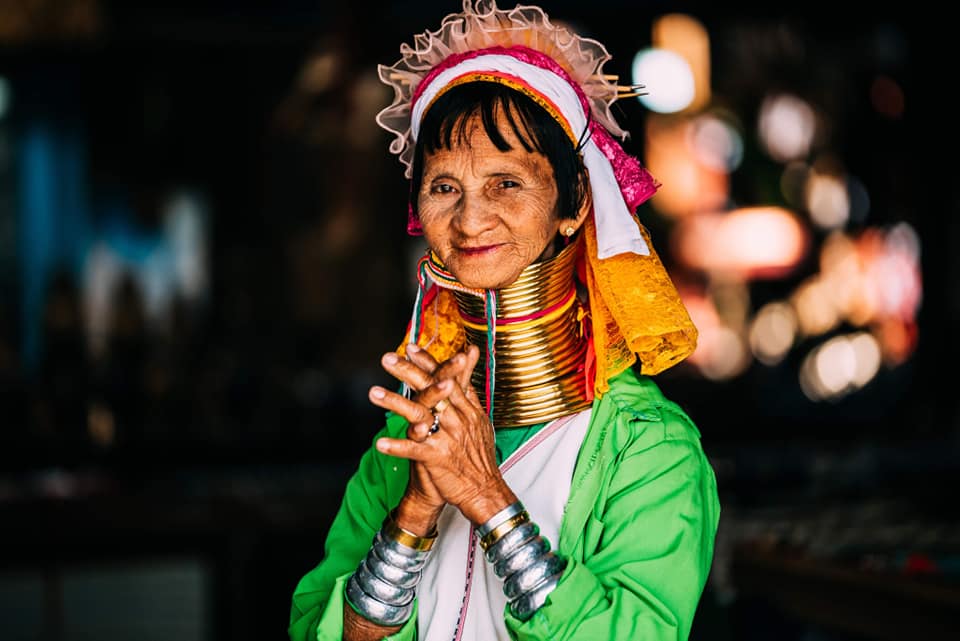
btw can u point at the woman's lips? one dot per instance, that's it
(478, 251)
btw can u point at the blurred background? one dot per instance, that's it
(203, 255)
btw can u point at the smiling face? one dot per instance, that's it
(488, 213)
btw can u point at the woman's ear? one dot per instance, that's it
(568, 226)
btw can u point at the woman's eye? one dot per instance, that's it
(508, 184)
(442, 188)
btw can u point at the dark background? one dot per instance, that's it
(174, 475)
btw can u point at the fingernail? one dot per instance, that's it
(377, 392)
(390, 359)
(444, 385)
(413, 347)
(383, 446)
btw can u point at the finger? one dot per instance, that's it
(421, 358)
(455, 368)
(419, 432)
(464, 410)
(436, 393)
(460, 366)
(451, 419)
(405, 371)
(471, 356)
(413, 411)
(403, 448)
(422, 431)
(460, 400)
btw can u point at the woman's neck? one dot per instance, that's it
(540, 344)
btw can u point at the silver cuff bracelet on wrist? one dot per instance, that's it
(523, 556)
(512, 540)
(391, 573)
(405, 550)
(530, 577)
(525, 605)
(397, 555)
(373, 610)
(382, 590)
(503, 515)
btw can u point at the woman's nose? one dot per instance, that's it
(476, 215)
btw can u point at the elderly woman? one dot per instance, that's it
(531, 480)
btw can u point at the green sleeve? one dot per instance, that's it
(374, 489)
(654, 525)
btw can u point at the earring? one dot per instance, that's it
(570, 229)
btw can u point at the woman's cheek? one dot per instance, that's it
(429, 213)
(534, 202)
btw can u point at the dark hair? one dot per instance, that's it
(445, 124)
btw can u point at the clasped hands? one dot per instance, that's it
(455, 465)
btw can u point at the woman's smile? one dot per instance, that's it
(478, 251)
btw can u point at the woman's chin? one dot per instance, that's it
(486, 279)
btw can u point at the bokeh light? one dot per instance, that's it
(827, 200)
(667, 77)
(752, 242)
(721, 350)
(786, 125)
(840, 366)
(688, 184)
(773, 332)
(717, 143)
(687, 37)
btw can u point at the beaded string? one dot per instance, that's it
(417, 319)
(490, 311)
(429, 267)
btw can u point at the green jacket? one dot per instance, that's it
(637, 531)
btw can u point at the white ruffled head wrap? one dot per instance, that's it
(522, 48)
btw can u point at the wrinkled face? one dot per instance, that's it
(488, 213)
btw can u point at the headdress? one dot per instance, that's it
(634, 307)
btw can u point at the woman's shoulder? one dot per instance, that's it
(643, 414)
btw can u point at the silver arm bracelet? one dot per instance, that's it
(512, 540)
(372, 610)
(381, 590)
(500, 517)
(390, 573)
(523, 556)
(525, 605)
(398, 555)
(532, 571)
(530, 577)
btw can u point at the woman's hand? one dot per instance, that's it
(459, 459)
(421, 504)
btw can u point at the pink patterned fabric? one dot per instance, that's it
(636, 183)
